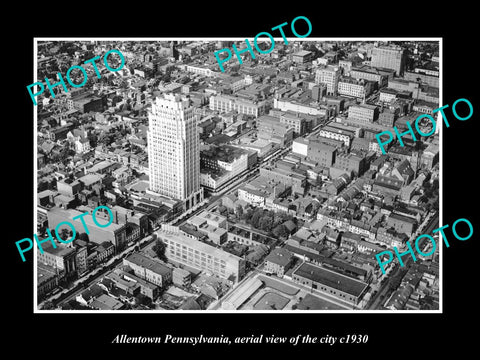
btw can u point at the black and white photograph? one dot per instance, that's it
(170, 177)
(190, 180)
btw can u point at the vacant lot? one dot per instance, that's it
(271, 301)
(310, 302)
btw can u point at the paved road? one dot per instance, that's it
(258, 271)
(92, 277)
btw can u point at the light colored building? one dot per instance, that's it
(329, 76)
(278, 261)
(235, 83)
(257, 191)
(173, 150)
(181, 277)
(227, 103)
(334, 131)
(302, 56)
(221, 164)
(300, 146)
(291, 119)
(369, 73)
(291, 105)
(210, 224)
(388, 95)
(81, 259)
(61, 258)
(200, 70)
(113, 233)
(182, 249)
(405, 85)
(351, 87)
(363, 113)
(390, 57)
(346, 65)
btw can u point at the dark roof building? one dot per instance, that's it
(330, 282)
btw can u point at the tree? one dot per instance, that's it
(222, 209)
(159, 249)
(265, 223)
(48, 305)
(64, 234)
(254, 221)
(279, 218)
(84, 237)
(247, 216)
(239, 211)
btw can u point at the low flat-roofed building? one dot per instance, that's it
(105, 302)
(130, 283)
(288, 176)
(102, 167)
(278, 261)
(302, 56)
(351, 87)
(149, 269)
(402, 224)
(91, 179)
(85, 103)
(116, 278)
(258, 190)
(330, 282)
(338, 132)
(185, 250)
(226, 103)
(363, 113)
(270, 128)
(114, 233)
(368, 73)
(217, 235)
(300, 146)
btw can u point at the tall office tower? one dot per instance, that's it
(173, 150)
(390, 57)
(329, 76)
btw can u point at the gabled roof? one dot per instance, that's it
(404, 168)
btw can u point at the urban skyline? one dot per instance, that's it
(261, 188)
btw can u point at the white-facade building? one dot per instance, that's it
(329, 76)
(173, 150)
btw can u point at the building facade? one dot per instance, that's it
(329, 76)
(184, 250)
(330, 282)
(389, 57)
(227, 103)
(363, 113)
(173, 150)
(149, 269)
